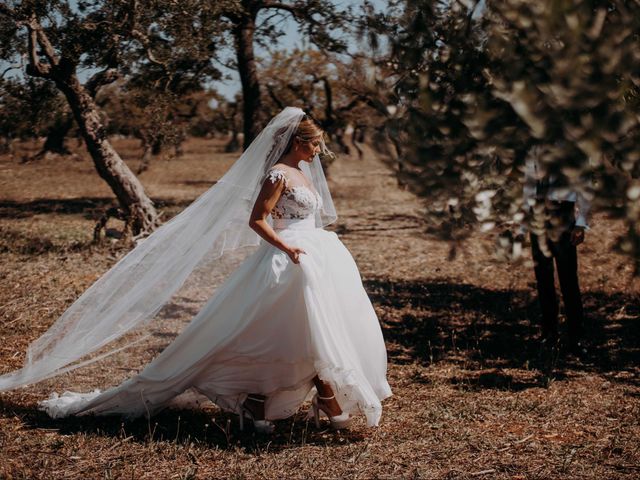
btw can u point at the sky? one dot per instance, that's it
(228, 88)
(291, 40)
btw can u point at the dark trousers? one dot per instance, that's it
(562, 220)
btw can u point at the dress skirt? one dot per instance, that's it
(269, 329)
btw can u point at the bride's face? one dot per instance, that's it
(308, 150)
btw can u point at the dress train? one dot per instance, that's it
(269, 329)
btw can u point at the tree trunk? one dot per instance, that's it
(357, 136)
(142, 217)
(6, 145)
(233, 144)
(243, 33)
(146, 159)
(56, 136)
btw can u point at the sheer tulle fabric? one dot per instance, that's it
(269, 329)
(129, 296)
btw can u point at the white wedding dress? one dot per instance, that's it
(269, 329)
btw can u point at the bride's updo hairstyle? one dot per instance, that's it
(307, 131)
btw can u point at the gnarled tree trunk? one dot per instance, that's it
(142, 217)
(47, 62)
(56, 136)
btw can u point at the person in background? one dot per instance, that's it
(558, 226)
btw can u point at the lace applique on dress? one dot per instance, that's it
(296, 202)
(275, 175)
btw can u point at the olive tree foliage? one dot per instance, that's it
(144, 114)
(162, 121)
(248, 23)
(341, 93)
(29, 109)
(168, 43)
(479, 90)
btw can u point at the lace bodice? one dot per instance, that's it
(296, 201)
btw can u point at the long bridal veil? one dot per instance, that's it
(148, 296)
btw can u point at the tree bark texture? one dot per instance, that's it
(243, 33)
(142, 215)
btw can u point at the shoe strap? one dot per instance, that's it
(326, 398)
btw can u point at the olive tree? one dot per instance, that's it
(479, 89)
(172, 43)
(251, 22)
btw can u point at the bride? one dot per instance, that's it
(292, 322)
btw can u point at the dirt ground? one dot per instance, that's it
(474, 395)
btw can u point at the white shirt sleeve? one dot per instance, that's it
(529, 192)
(583, 207)
(528, 187)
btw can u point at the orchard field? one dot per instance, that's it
(474, 396)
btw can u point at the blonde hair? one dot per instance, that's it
(308, 130)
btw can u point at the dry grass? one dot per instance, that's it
(474, 396)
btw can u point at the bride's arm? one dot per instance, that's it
(267, 199)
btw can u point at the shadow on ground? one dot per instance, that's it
(15, 239)
(90, 207)
(215, 429)
(485, 331)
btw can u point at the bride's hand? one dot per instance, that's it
(294, 254)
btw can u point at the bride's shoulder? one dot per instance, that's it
(278, 173)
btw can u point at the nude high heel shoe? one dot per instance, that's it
(260, 426)
(337, 422)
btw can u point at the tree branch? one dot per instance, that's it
(16, 66)
(274, 97)
(298, 91)
(472, 11)
(100, 79)
(269, 18)
(328, 93)
(35, 68)
(373, 103)
(144, 40)
(146, 44)
(4, 10)
(352, 104)
(142, 37)
(43, 41)
(295, 11)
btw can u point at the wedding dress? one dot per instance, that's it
(269, 329)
